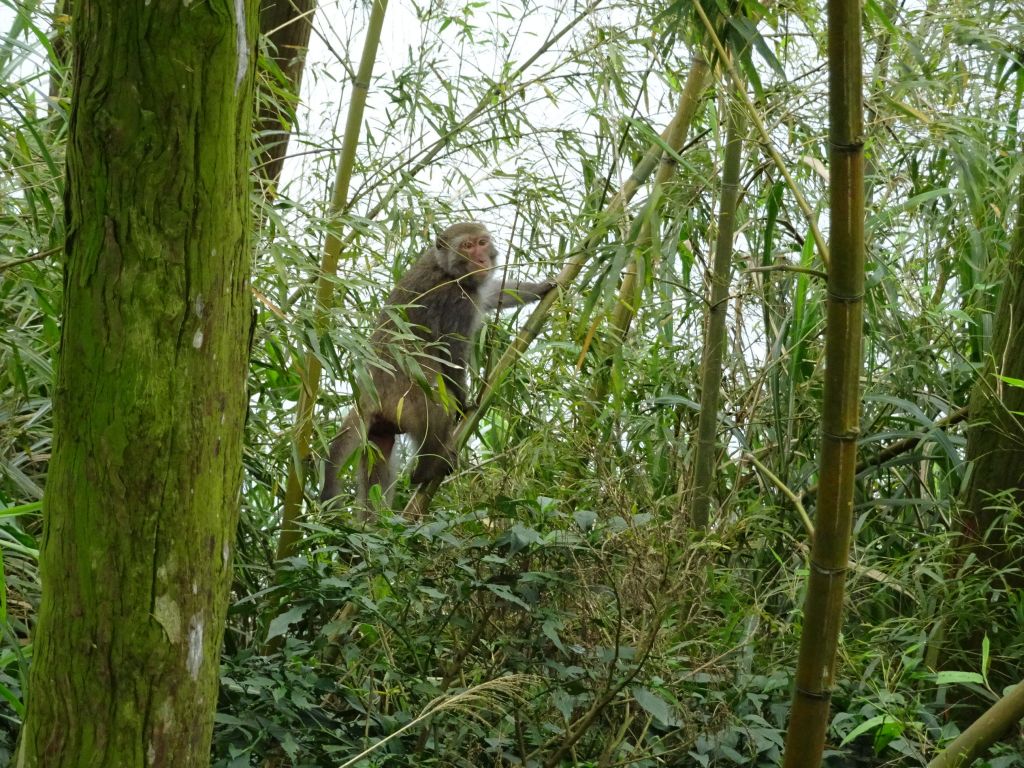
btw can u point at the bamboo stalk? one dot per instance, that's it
(983, 732)
(629, 292)
(769, 147)
(714, 336)
(311, 368)
(823, 607)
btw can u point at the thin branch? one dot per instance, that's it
(34, 257)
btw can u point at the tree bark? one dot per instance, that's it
(143, 489)
(60, 39)
(286, 25)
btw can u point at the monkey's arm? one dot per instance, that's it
(496, 295)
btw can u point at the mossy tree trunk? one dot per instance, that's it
(143, 489)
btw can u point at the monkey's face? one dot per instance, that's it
(467, 251)
(478, 250)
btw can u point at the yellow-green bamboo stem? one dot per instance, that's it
(311, 368)
(983, 732)
(773, 153)
(823, 607)
(629, 290)
(714, 336)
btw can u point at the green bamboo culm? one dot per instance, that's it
(823, 607)
(983, 732)
(630, 290)
(714, 334)
(312, 367)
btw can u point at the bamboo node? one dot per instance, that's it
(819, 695)
(851, 299)
(847, 148)
(818, 568)
(849, 435)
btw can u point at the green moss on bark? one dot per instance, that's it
(143, 490)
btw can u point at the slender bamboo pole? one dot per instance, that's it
(714, 335)
(769, 146)
(311, 369)
(629, 291)
(823, 607)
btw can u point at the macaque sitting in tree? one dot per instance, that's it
(419, 385)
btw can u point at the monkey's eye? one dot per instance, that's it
(468, 245)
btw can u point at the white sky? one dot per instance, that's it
(340, 29)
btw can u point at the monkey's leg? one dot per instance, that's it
(377, 467)
(347, 442)
(435, 457)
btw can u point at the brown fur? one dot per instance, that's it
(440, 301)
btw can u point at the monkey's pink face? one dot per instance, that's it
(478, 250)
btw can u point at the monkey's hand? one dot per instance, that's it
(514, 295)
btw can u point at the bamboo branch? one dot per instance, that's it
(34, 257)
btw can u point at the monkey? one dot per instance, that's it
(422, 340)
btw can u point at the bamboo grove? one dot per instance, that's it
(742, 489)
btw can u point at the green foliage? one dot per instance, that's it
(31, 230)
(553, 558)
(385, 621)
